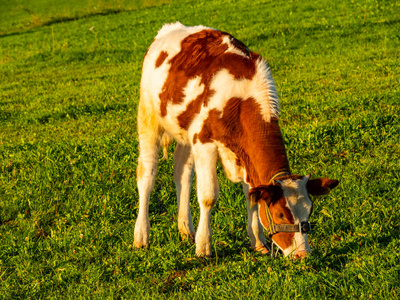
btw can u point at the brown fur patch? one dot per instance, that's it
(193, 108)
(258, 144)
(209, 202)
(238, 45)
(163, 55)
(203, 54)
(279, 207)
(283, 239)
(195, 138)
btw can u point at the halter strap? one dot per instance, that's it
(271, 225)
(272, 228)
(279, 174)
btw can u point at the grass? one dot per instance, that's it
(69, 85)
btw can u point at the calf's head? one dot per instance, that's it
(286, 201)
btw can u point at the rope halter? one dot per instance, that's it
(265, 214)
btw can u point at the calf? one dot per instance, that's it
(217, 99)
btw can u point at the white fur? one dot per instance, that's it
(298, 202)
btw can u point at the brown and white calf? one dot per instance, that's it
(218, 100)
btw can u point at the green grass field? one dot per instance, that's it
(69, 89)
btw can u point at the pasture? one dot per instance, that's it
(69, 89)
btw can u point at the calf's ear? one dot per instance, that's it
(265, 193)
(321, 186)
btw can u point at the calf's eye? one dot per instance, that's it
(280, 215)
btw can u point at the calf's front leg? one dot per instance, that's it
(254, 227)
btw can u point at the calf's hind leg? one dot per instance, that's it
(254, 227)
(183, 177)
(149, 145)
(205, 157)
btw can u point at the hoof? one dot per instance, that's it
(139, 245)
(201, 255)
(262, 250)
(203, 252)
(190, 237)
(187, 232)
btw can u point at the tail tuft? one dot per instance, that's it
(166, 140)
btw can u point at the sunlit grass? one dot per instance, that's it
(69, 87)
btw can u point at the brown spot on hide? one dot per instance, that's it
(203, 54)
(163, 55)
(193, 108)
(283, 239)
(195, 137)
(239, 45)
(258, 144)
(279, 208)
(209, 202)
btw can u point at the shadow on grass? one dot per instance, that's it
(60, 19)
(345, 32)
(68, 57)
(340, 256)
(74, 111)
